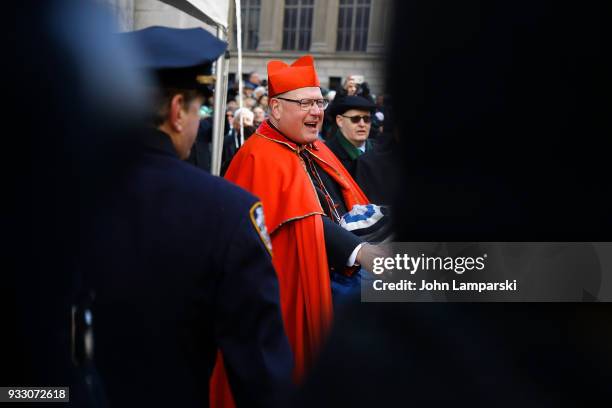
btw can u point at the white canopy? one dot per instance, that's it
(216, 13)
(213, 12)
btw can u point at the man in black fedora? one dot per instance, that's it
(353, 117)
(369, 162)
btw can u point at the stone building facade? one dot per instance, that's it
(345, 36)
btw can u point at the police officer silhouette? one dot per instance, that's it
(180, 260)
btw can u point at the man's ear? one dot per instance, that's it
(275, 109)
(176, 113)
(339, 121)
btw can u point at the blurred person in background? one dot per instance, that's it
(379, 117)
(247, 90)
(380, 102)
(230, 107)
(260, 116)
(350, 86)
(259, 92)
(249, 103)
(248, 99)
(254, 80)
(263, 101)
(364, 92)
(233, 140)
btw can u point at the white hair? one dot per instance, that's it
(248, 117)
(260, 90)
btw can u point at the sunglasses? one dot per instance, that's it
(357, 118)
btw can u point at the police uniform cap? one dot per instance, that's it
(178, 57)
(344, 103)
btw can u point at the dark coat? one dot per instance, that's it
(341, 153)
(374, 171)
(180, 270)
(231, 144)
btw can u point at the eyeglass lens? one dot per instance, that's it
(357, 118)
(307, 103)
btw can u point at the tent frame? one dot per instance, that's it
(221, 68)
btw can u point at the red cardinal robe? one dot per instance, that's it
(269, 166)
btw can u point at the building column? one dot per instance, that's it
(325, 26)
(271, 25)
(380, 19)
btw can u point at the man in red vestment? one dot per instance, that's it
(305, 190)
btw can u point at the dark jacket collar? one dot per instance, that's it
(160, 142)
(348, 147)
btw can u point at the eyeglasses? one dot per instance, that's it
(357, 118)
(306, 104)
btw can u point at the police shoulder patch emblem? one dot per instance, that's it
(257, 218)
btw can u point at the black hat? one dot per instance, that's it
(179, 58)
(343, 103)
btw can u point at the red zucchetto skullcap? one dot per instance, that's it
(283, 78)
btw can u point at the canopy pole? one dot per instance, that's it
(221, 68)
(239, 49)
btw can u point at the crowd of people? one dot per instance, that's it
(242, 122)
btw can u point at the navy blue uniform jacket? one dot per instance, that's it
(179, 270)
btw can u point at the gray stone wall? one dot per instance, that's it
(329, 63)
(371, 66)
(137, 14)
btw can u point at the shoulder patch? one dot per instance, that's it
(257, 218)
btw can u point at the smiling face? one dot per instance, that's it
(300, 126)
(356, 133)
